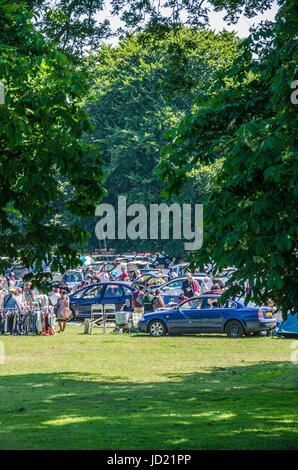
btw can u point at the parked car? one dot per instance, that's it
(72, 278)
(162, 260)
(206, 314)
(171, 290)
(104, 296)
(150, 279)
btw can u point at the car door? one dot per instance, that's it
(114, 297)
(212, 315)
(190, 320)
(83, 302)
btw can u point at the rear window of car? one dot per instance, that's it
(113, 291)
(73, 277)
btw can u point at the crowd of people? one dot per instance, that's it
(20, 299)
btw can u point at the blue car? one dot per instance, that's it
(97, 298)
(206, 314)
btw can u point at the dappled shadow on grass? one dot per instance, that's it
(215, 408)
(194, 335)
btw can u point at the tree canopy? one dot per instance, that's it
(42, 123)
(242, 124)
(247, 115)
(141, 89)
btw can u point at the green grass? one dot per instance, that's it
(76, 391)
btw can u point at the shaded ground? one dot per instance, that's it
(76, 391)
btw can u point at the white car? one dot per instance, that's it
(171, 290)
(73, 279)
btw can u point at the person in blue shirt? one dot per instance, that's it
(10, 302)
(127, 307)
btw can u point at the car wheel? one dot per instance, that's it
(157, 328)
(234, 329)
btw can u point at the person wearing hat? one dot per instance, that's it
(10, 301)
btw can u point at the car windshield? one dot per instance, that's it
(79, 294)
(73, 277)
(192, 304)
(93, 292)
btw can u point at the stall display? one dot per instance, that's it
(27, 321)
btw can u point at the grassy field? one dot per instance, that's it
(76, 391)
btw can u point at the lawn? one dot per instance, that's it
(76, 391)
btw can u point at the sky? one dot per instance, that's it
(215, 19)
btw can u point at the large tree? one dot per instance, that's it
(142, 88)
(251, 212)
(41, 127)
(77, 25)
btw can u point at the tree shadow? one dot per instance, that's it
(245, 407)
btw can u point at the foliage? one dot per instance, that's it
(77, 25)
(41, 127)
(71, 25)
(142, 88)
(251, 213)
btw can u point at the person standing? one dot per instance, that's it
(136, 274)
(124, 274)
(104, 277)
(147, 301)
(172, 274)
(196, 286)
(157, 301)
(187, 286)
(8, 283)
(20, 298)
(63, 302)
(204, 286)
(10, 300)
(28, 294)
(138, 300)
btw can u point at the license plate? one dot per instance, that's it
(269, 314)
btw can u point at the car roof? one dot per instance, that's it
(117, 283)
(205, 296)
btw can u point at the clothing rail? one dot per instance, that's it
(27, 321)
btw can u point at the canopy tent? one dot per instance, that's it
(289, 327)
(87, 260)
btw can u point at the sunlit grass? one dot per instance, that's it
(76, 391)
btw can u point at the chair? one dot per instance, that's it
(108, 310)
(96, 309)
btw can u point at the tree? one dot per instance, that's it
(76, 25)
(41, 127)
(139, 93)
(70, 25)
(251, 211)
